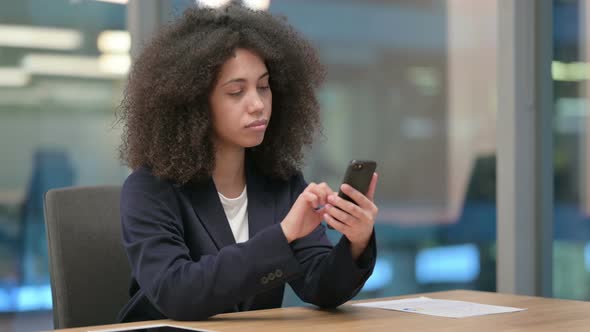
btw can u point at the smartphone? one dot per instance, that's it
(358, 175)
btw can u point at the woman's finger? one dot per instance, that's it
(337, 225)
(346, 206)
(322, 191)
(360, 199)
(311, 198)
(372, 187)
(340, 215)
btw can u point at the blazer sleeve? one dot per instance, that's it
(179, 287)
(330, 275)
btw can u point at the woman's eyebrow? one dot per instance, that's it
(241, 80)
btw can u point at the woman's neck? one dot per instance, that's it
(229, 175)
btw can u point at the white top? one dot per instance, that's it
(236, 211)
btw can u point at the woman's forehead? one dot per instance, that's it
(243, 64)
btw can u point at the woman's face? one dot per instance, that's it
(241, 101)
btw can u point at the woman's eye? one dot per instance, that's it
(235, 94)
(266, 87)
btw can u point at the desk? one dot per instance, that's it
(542, 315)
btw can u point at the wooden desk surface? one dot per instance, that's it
(542, 315)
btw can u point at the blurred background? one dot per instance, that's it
(411, 84)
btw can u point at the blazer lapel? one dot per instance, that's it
(261, 211)
(207, 206)
(261, 202)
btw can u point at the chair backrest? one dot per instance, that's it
(88, 265)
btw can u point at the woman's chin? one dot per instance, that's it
(252, 142)
(252, 145)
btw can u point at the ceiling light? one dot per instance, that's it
(257, 4)
(114, 41)
(13, 77)
(213, 3)
(76, 66)
(39, 37)
(117, 64)
(120, 2)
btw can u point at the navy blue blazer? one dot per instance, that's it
(186, 265)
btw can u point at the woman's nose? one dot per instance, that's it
(255, 103)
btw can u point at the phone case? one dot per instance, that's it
(358, 175)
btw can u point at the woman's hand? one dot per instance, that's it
(306, 214)
(355, 221)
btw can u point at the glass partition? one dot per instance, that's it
(570, 71)
(411, 84)
(62, 70)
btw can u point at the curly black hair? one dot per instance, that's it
(165, 109)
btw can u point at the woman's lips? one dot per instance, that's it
(257, 125)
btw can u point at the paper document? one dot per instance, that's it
(442, 308)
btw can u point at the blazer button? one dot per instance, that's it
(264, 280)
(279, 273)
(271, 276)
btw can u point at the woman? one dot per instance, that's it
(216, 215)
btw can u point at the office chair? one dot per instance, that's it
(88, 266)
